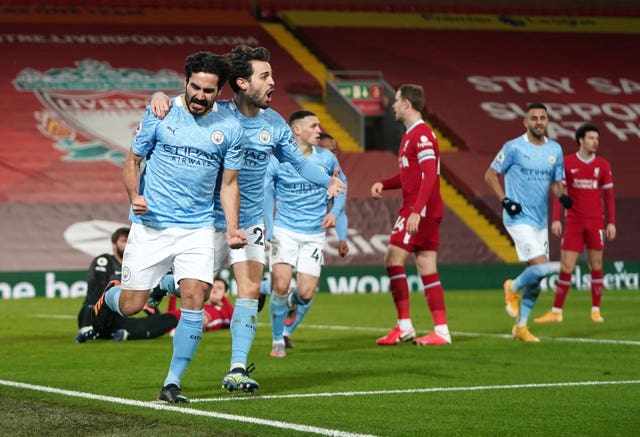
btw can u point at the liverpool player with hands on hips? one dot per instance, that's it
(172, 206)
(417, 228)
(530, 163)
(588, 178)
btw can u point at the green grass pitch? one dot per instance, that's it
(582, 379)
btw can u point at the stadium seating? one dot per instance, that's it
(444, 60)
(58, 173)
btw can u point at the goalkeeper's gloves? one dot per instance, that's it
(512, 208)
(566, 201)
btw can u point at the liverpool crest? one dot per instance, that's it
(92, 111)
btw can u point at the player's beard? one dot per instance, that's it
(261, 102)
(204, 103)
(120, 252)
(534, 133)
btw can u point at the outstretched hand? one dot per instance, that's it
(336, 186)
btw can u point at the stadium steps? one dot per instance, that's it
(330, 125)
(483, 228)
(488, 233)
(319, 72)
(499, 243)
(444, 144)
(298, 51)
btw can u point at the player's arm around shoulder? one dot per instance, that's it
(160, 104)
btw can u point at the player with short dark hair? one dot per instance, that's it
(588, 179)
(265, 133)
(104, 269)
(196, 148)
(531, 164)
(217, 309)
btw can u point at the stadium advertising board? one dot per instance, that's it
(618, 275)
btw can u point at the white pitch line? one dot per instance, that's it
(418, 390)
(479, 334)
(55, 316)
(453, 333)
(184, 410)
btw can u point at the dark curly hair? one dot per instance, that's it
(240, 58)
(582, 131)
(207, 62)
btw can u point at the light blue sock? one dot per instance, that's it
(243, 330)
(529, 297)
(185, 342)
(534, 274)
(168, 283)
(112, 298)
(277, 314)
(302, 311)
(296, 299)
(265, 286)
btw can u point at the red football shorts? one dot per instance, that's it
(427, 237)
(578, 234)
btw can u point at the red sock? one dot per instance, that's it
(400, 290)
(562, 289)
(596, 288)
(434, 294)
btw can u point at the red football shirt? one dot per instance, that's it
(419, 162)
(218, 316)
(586, 181)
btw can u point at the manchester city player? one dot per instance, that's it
(531, 163)
(172, 207)
(265, 133)
(300, 224)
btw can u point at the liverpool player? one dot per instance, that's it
(588, 180)
(418, 223)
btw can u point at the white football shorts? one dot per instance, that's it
(151, 252)
(253, 251)
(529, 241)
(302, 251)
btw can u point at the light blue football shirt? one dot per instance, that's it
(264, 135)
(184, 156)
(528, 172)
(301, 205)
